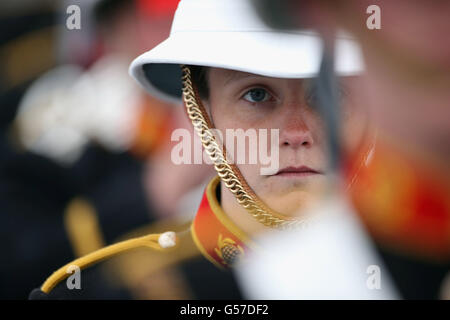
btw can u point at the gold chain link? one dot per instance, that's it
(225, 171)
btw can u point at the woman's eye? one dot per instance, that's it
(257, 95)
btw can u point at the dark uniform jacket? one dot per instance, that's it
(197, 267)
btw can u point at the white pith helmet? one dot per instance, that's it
(228, 34)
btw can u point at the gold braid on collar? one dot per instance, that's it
(228, 173)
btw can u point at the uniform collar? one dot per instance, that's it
(216, 236)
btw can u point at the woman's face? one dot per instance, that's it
(239, 100)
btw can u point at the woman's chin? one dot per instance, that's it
(291, 182)
(294, 204)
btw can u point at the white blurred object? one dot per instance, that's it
(108, 100)
(66, 108)
(331, 258)
(167, 239)
(43, 115)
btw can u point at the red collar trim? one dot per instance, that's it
(216, 236)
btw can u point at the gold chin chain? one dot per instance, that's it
(229, 174)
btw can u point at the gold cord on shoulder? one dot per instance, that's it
(228, 173)
(159, 242)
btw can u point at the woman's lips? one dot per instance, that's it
(302, 171)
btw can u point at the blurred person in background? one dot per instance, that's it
(402, 193)
(236, 74)
(403, 196)
(33, 190)
(75, 173)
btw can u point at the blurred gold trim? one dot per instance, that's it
(27, 56)
(82, 227)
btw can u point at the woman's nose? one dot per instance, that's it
(296, 133)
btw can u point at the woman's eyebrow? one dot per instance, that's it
(232, 76)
